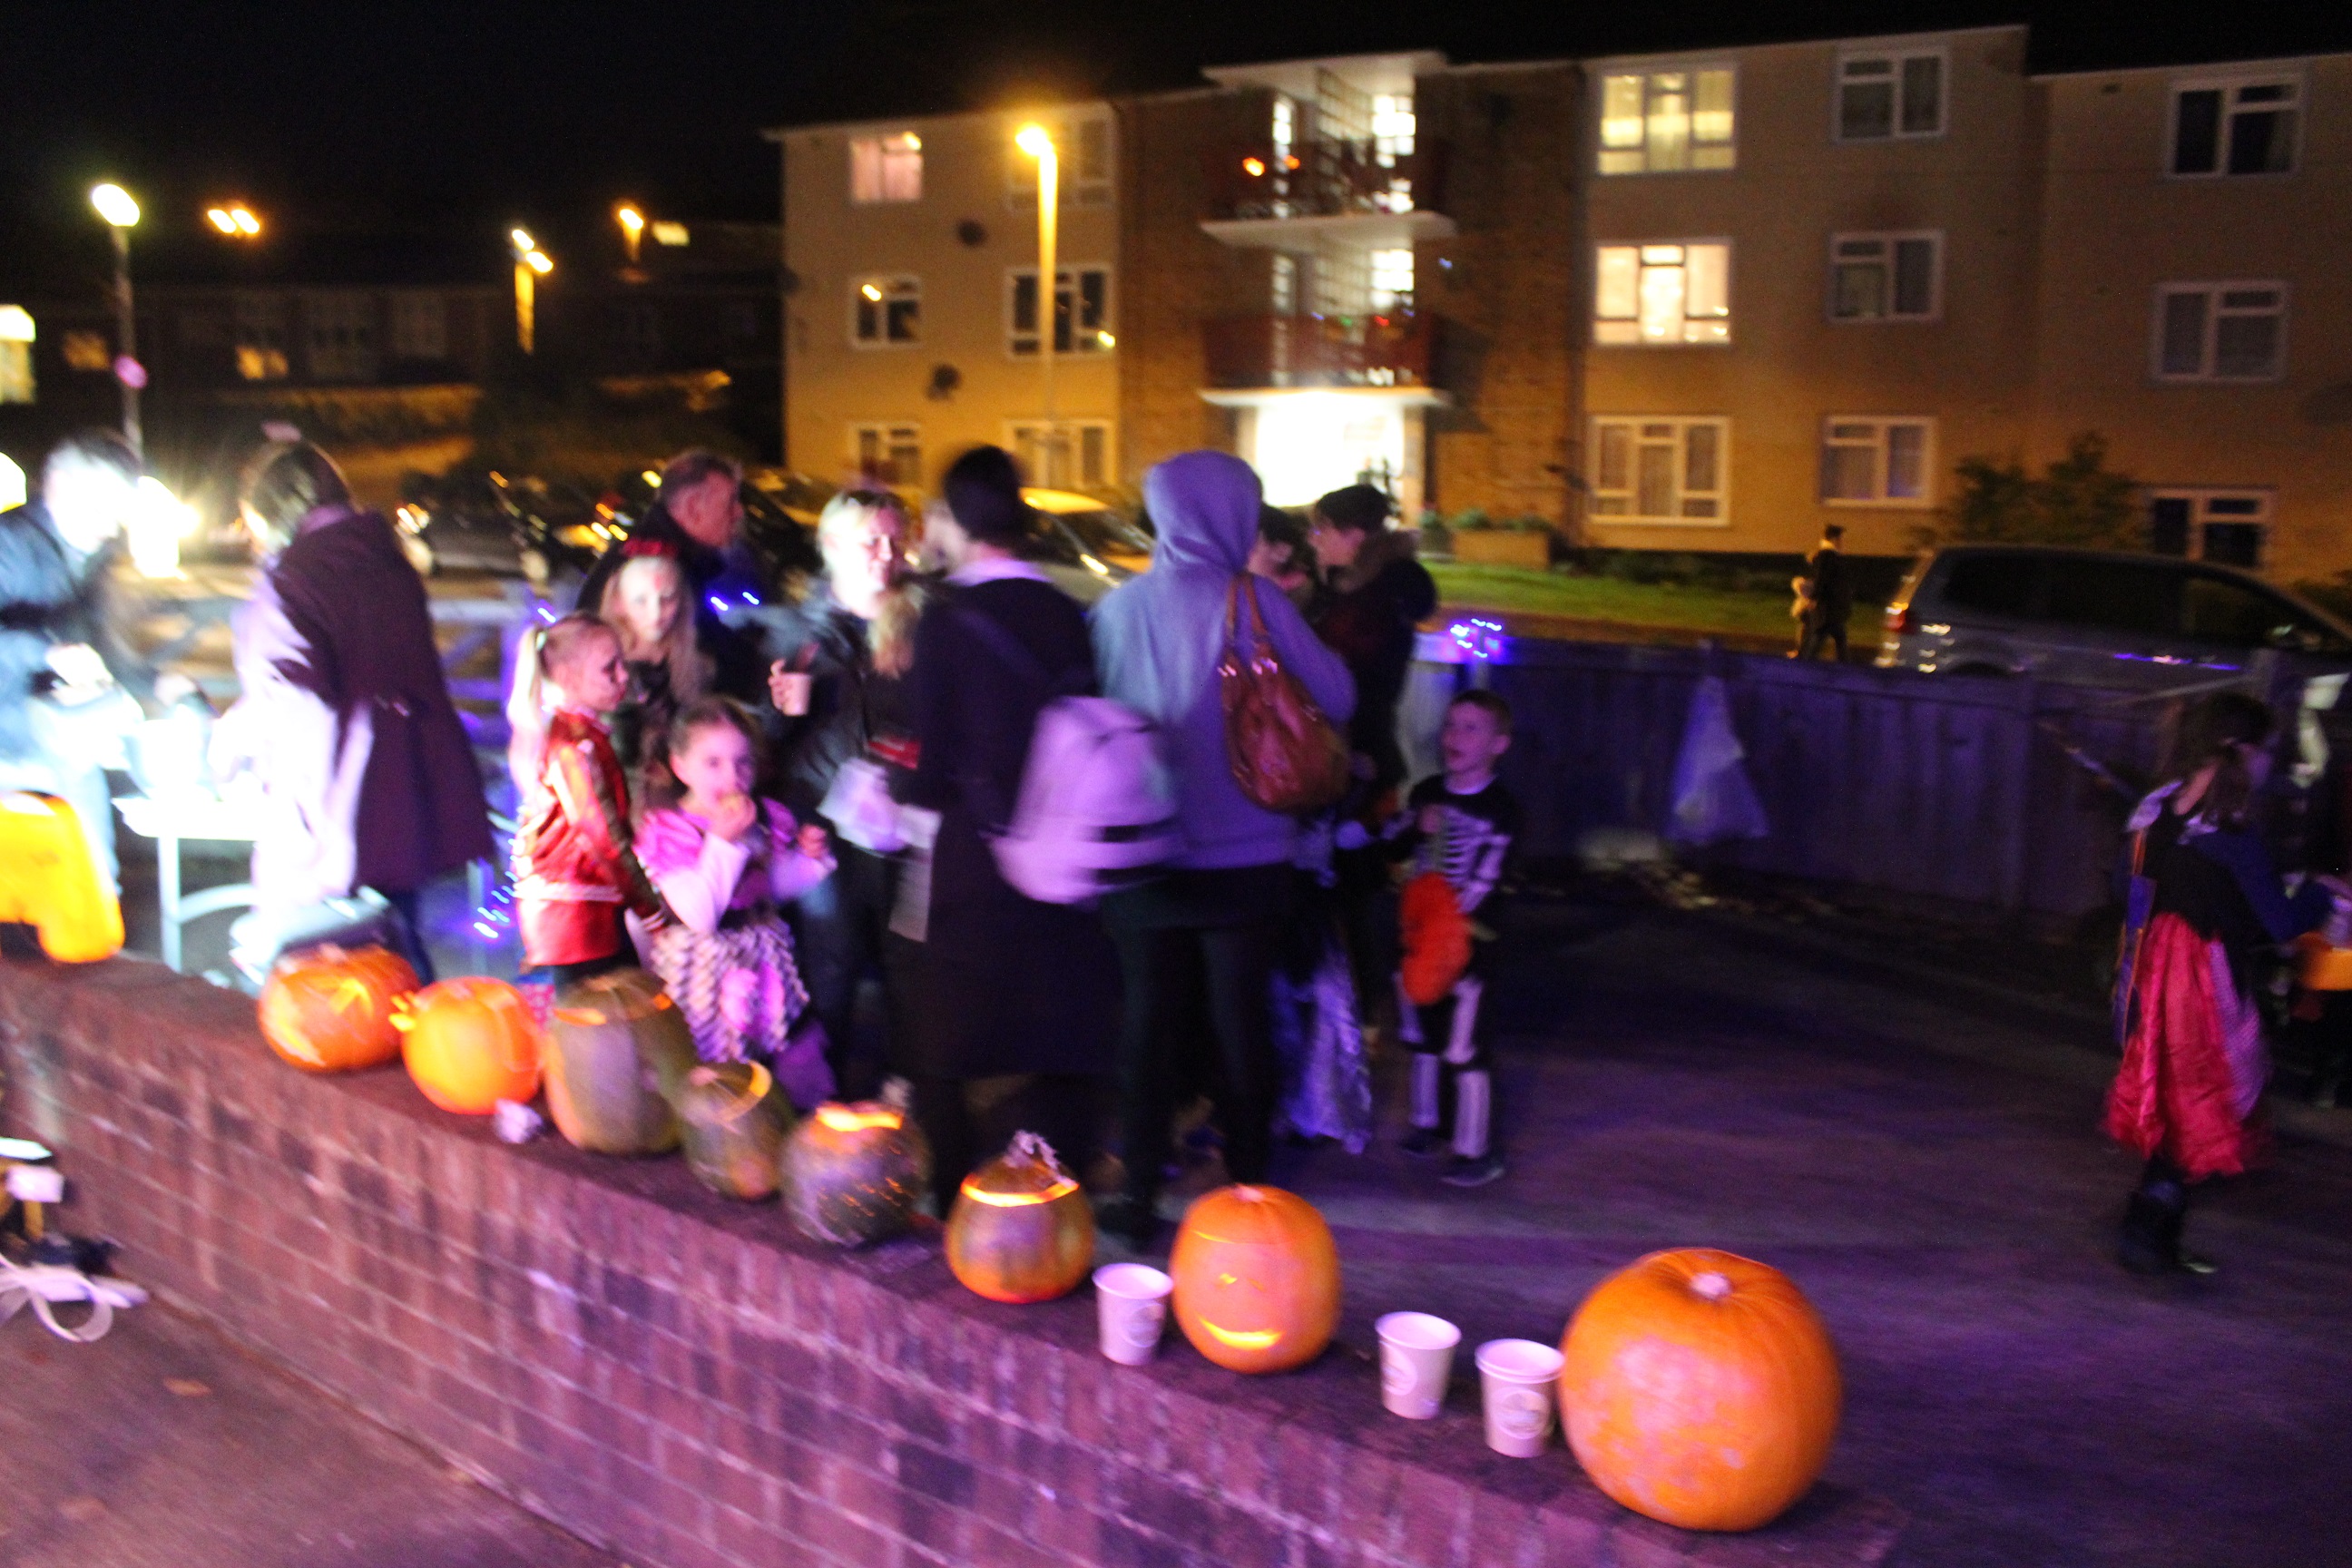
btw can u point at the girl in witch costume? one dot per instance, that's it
(2204, 900)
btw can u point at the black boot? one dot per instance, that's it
(2150, 1243)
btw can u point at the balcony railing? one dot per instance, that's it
(1392, 349)
(1326, 178)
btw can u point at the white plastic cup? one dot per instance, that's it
(1416, 1358)
(789, 689)
(1131, 1302)
(1520, 1382)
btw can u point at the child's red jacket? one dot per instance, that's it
(574, 871)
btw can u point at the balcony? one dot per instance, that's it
(1395, 350)
(1346, 187)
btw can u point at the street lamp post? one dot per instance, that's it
(121, 213)
(1034, 141)
(632, 230)
(531, 263)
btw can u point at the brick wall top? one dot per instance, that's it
(683, 1380)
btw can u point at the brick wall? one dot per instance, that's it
(1506, 287)
(678, 1378)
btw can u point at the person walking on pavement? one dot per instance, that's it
(1825, 597)
(697, 515)
(1200, 942)
(65, 660)
(345, 716)
(1005, 987)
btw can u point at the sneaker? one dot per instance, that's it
(1423, 1142)
(1469, 1171)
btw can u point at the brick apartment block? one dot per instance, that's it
(1708, 300)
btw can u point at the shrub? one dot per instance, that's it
(2077, 501)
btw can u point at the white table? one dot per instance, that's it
(191, 816)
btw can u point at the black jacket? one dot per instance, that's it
(852, 706)
(49, 598)
(1367, 617)
(1833, 586)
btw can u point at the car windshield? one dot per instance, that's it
(1107, 533)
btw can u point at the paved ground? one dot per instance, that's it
(1923, 1160)
(162, 1446)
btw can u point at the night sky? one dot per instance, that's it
(421, 116)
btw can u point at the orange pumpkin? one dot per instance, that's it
(1700, 1389)
(1257, 1278)
(328, 1010)
(854, 1173)
(1021, 1230)
(1435, 937)
(471, 1043)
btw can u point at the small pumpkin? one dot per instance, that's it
(1700, 1388)
(1021, 1230)
(1436, 936)
(617, 1048)
(733, 1122)
(328, 1010)
(469, 1043)
(1257, 1278)
(854, 1173)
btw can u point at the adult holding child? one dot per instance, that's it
(1199, 943)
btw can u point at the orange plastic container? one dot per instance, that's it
(48, 880)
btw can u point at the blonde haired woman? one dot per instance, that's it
(646, 602)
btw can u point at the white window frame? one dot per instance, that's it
(886, 434)
(889, 284)
(1890, 237)
(1834, 435)
(1681, 424)
(1084, 342)
(2201, 517)
(2207, 373)
(1895, 58)
(1077, 188)
(889, 148)
(1074, 432)
(1644, 261)
(2298, 101)
(1648, 74)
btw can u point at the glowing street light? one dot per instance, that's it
(633, 228)
(121, 213)
(532, 264)
(235, 222)
(1034, 140)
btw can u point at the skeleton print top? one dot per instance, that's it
(1473, 841)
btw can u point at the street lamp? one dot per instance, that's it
(532, 264)
(235, 221)
(115, 205)
(633, 228)
(1033, 140)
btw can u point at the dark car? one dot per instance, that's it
(510, 526)
(2096, 618)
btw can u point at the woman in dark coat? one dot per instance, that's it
(345, 713)
(1004, 986)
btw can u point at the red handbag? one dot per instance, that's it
(1285, 755)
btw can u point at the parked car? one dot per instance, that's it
(508, 525)
(1083, 546)
(2096, 618)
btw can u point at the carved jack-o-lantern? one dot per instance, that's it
(469, 1043)
(854, 1173)
(734, 1123)
(328, 1010)
(1257, 1278)
(1021, 1230)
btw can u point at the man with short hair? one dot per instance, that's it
(1825, 598)
(697, 515)
(65, 659)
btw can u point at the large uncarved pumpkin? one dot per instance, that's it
(328, 1010)
(1700, 1388)
(734, 1120)
(1021, 1230)
(471, 1043)
(617, 1047)
(854, 1173)
(1257, 1278)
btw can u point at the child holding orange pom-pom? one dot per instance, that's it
(1457, 827)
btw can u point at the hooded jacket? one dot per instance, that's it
(1158, 638)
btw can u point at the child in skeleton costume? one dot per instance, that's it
(726, 861)
(1458, 825)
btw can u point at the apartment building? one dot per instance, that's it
(1708, 300)
(912, 299)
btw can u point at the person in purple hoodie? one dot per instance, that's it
(344, 714)
(1200, 942)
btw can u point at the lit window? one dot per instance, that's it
(2227, 526)
(1392, 280)
(1890, 95)
(1082, 148)
(2234, 127)
(2220, 332)
(18, 336)
(1877, 462)
(886, 310)
(1661, 471)
(1661, 295)
(1885, 277)
(888, 455)
(1081, 310)
(1078, 456)
(885, 168)
(1283, 284)
(1662, 121)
